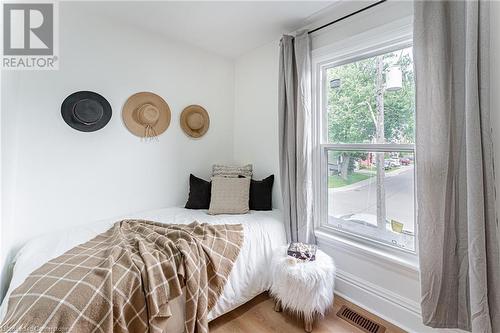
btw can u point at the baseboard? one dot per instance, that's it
(400, 311)
(377, 291)
(377, 300)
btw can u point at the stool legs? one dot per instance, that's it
(308, 325)
(277, 306)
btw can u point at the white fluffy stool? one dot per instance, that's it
(303, 287)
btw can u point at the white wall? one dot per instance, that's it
(256, 117)
(55, 177)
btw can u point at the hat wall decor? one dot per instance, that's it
(195, 121)
(86, 111)
(146, 115)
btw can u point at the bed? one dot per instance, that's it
(263, 233)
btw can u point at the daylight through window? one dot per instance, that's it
(368, 147)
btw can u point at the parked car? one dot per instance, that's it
(394, 163)
(364, 219)
(371, 220)
(405, 161)
(387, 164)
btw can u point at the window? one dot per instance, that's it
(367, 146)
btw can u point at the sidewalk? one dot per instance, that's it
(370, 180)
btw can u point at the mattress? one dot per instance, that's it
(263, 233)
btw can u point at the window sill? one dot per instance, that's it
(372, 252)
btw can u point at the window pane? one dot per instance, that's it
(372, 100)
(371, 195)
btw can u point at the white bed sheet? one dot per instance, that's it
(263, 233)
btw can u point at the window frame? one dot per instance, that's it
(321, 63)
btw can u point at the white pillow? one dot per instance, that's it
(229, 196)
(219, 170)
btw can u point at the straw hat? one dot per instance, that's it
(146, 115)
(195, 121)
(86, 111)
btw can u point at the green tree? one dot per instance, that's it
(349, 117)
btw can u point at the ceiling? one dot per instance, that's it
(229, 28)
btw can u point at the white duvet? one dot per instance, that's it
(263, 232)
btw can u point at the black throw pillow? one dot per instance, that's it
(199, 193)
(261, 194)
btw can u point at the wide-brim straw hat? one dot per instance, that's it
(86, 111)
(146, 114)
(195, 121)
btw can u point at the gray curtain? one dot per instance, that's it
(457, 224)
(295, 135)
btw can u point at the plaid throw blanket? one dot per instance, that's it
(123, 280)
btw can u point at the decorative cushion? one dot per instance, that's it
(219, 170)
(229, 195)
(304, 287)
(199, 193)
(261, 194)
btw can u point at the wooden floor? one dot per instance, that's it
(258, 316)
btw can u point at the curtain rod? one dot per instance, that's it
(347, 16)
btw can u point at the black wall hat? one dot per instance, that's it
(86, 111)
